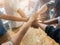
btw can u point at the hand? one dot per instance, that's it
(35, 24)
(34, 16)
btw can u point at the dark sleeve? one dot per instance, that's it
(51, 4)
(57, 35)
(50, 30)
(54, 33)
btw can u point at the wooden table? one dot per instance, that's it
(32, 37)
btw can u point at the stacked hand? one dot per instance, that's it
(34, 16)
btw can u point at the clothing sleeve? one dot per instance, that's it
(50, 30)
(8, 43)
(54, 33)
(51, 4)
(1, 12)
(59, 20)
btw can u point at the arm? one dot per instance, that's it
(23, 30)
(21, 13)
(51, 21)
(12, 17)
(42, 26)
(19, 35)
(43, 9)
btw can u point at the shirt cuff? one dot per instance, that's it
(59, 20)
(1, 12)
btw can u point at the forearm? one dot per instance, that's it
(51, 21)
(22, 14)
(24, 28)
(43, 9)
(42, 26)
(16, 40)
(12, 17)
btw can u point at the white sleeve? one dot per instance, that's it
(59, 20)
(8, 43)
(1, 12)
